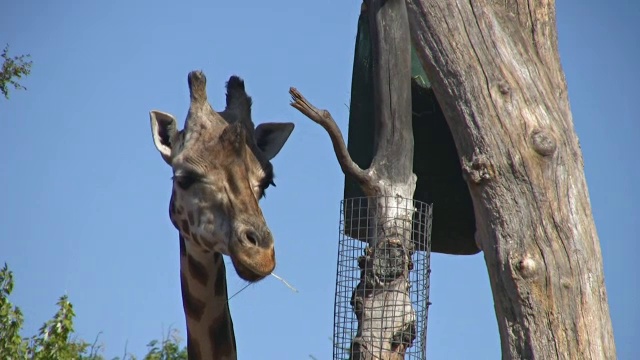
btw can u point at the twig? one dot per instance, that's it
(94, 347)
(274, 275)
(238, 292)
(124, 357)
(285, 282)
(324, 119)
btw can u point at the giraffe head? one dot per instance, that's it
(221, 168)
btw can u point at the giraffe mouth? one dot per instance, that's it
(249, 275)
(253, 264)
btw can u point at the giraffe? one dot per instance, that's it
(221, 168)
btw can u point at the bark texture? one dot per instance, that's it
(381, 301)
(496, 72)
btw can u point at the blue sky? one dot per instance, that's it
(85, 194)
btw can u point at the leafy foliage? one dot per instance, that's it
(168, 349)
(12, 346)
(55, 340)
(13, 69)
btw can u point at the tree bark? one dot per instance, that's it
(496, 72)
(386, 320)
(381, 301)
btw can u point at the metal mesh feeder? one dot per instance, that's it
(382, 283)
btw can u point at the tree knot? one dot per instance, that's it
(543, 142)
(478, 169)
(504, 87)
(527, 267)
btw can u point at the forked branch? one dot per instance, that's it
(324, 119)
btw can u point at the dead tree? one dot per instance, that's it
(495, 70)
(381, 300)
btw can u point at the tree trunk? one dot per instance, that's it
(495, 70)
(386, 320)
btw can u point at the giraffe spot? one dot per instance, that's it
(220, 285)
(193, 348)
(197, 270)
(183, 246)
(193, 307)
(172, 208)
(172, 203)
(184, 226)
(223, 340)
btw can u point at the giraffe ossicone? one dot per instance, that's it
(221, 168)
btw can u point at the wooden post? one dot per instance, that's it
(496, 72)
(386, 320)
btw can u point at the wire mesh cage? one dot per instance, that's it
(382, 282)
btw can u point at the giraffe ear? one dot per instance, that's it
(270, 137)
(164, 130)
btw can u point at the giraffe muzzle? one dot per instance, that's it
(253, 255)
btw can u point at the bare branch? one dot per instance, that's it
(324, 119)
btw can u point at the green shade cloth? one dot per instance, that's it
(436, 164)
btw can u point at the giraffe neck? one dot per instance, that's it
(204, 298)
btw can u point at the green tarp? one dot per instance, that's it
(435, 162)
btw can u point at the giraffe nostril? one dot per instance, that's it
(252, 238)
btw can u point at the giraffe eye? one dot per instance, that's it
(185, 181)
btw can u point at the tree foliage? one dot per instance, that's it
(55, 339)
(13, 69)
